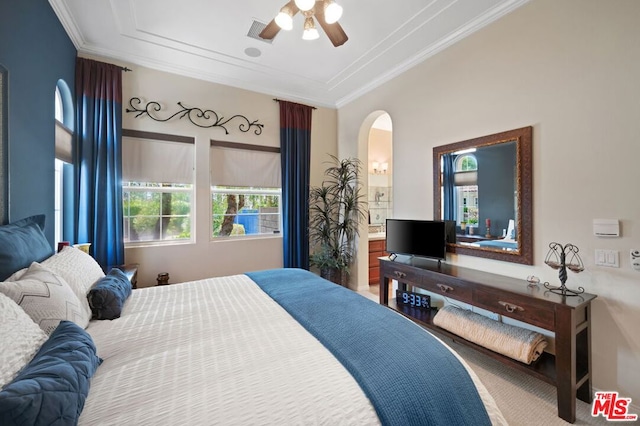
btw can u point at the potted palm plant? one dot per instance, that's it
(336, 209)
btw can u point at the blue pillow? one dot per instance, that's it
(21, 243)
(52, 388)
(108, 294)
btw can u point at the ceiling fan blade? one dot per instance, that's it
(334, 31)
(272, 29)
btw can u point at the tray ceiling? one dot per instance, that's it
(210, 40)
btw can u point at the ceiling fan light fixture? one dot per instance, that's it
(332, 11)
(305, 5)
(284, 19)
(310, 32)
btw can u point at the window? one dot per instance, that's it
(157, 188)
(155, 212)
(63, 158)
(466, 189)
(245, 210)
(245, 190)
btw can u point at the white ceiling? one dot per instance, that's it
(207, 39)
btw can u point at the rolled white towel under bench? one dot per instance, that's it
(515, 342)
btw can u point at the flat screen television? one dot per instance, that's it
(422, 238)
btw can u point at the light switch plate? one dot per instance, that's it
(609, 258)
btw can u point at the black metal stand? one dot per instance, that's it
(557, 259)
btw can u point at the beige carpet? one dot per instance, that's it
(522, 399)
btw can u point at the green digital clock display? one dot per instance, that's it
(415, 300)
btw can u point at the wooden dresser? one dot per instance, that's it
(569, 317)
(376, 250)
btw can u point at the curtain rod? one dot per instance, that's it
(278, 100)
(125, 69)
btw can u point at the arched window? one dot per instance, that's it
(466, 188)
(466, 163)
(63, 152)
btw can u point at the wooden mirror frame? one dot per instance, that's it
(524, 182)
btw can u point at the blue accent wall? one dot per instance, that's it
(37, 52)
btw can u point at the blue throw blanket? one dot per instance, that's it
(408, 375)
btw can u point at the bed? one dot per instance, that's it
(282, 346)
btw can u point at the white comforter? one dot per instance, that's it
(219, 351)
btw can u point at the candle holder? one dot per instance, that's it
(562, 258)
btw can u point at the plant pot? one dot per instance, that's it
(335, 275)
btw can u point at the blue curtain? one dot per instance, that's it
(98, 160)
(448, 193)
(295, 152)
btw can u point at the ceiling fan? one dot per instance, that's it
(326, 12)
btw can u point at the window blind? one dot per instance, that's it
(63, 143)
(246, 165)
(465, 178)
(149, 160)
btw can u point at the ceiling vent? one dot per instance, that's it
(256, 29)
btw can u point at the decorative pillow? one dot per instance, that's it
(78, 269)
(21, 243)
(20, 339)
(108, 295)
(46, 298)
(16, 275)
(53, 387)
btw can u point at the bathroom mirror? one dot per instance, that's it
(482, 188)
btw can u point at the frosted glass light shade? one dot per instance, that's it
(310, 34)
(305, 5)
(310, 31)
(284, 20)
(332, 12)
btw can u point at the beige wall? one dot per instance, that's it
(205, 258)
(570, 69)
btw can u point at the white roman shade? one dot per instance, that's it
(244, 165)
(465, 178)
(161, 161)
(63, 143)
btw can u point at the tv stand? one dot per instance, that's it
(410, 258)
(569, 370)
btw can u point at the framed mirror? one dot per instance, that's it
(482, 188)
(4, 83)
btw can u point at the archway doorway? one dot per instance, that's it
(375, 149)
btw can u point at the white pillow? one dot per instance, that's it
(78, 269)
(46, 298)
(16, 275)
(20, 339)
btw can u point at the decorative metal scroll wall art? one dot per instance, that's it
(562, 258)
(199, 117)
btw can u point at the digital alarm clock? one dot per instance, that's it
(415, 300)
